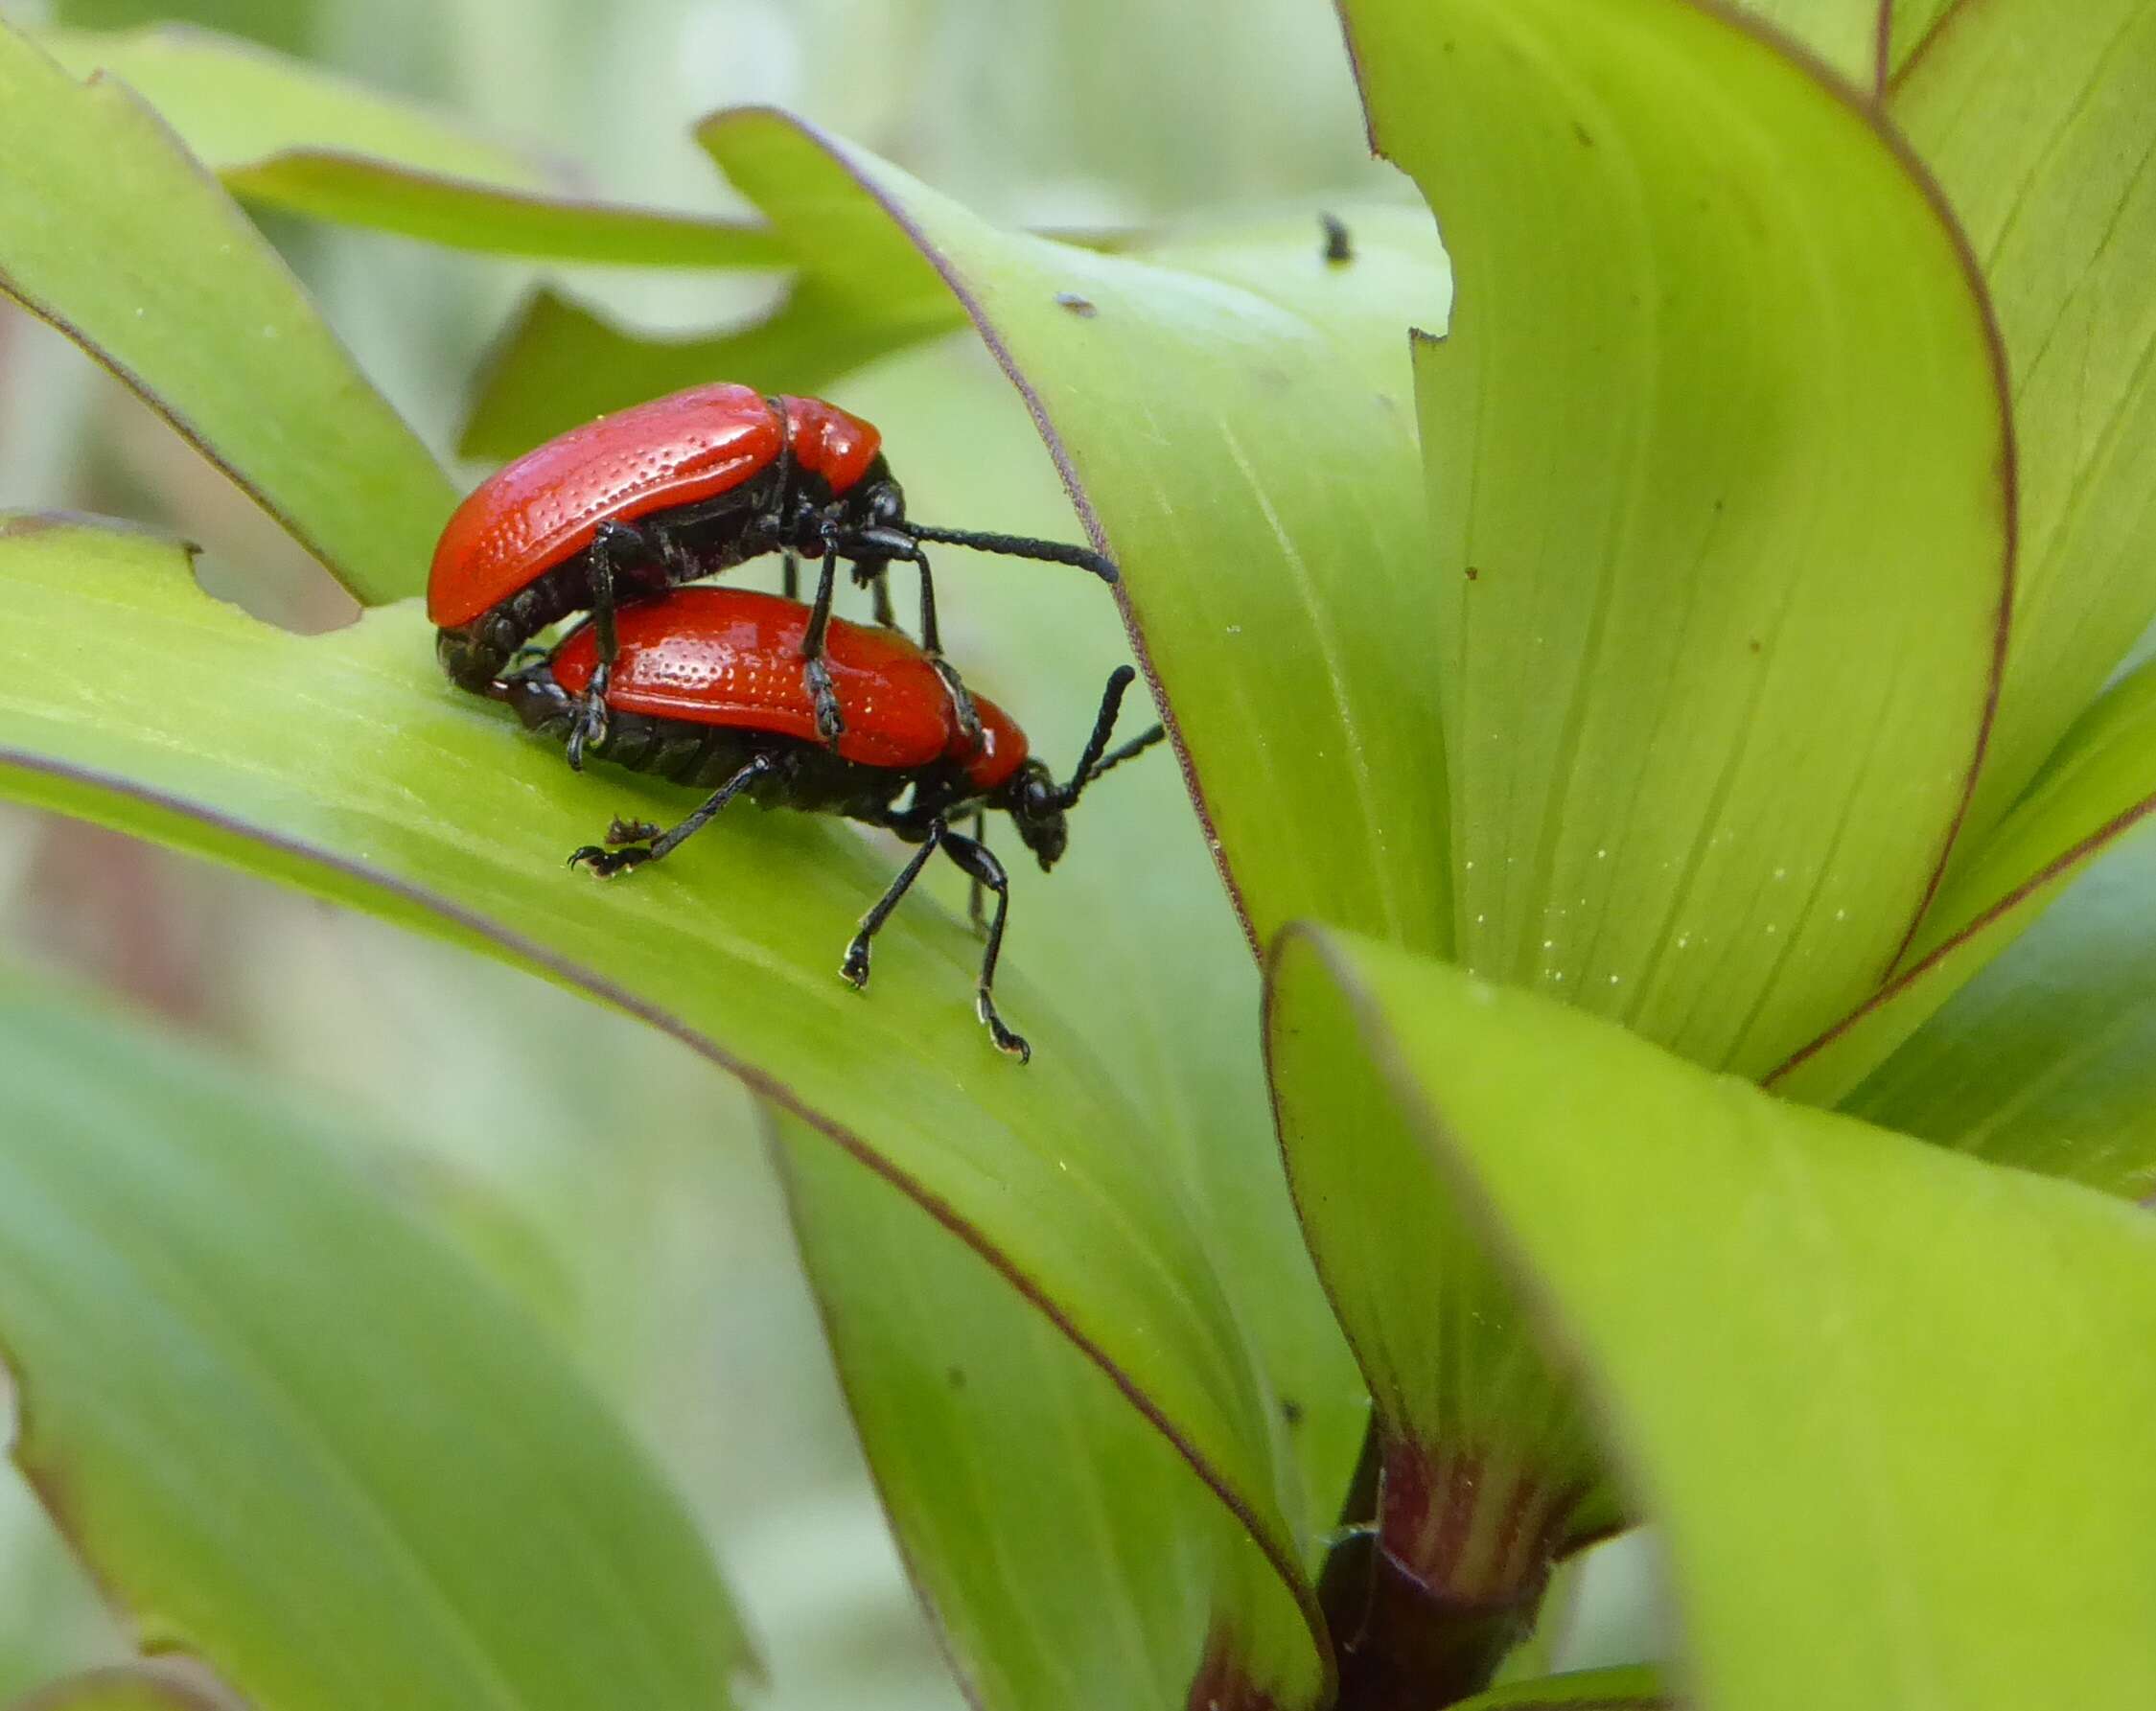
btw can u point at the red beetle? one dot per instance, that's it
(706, 690)
(673, 490)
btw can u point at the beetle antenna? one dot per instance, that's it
(1137, 745)
(1019, 546)
(1091, 763)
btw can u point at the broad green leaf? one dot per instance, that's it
(2099, 787)
(2040, 122)
(130, 1687)
(285, 134)
(560, 363)
(1231, 417)
(2047, 1058)
(1857, 1380)
(292, 1435)
(343, 765)
(1715, 452)
(109, 230)
(1070, 1556)
(1584, 1690)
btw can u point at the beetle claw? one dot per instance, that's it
(590, 730)
(856, 968)
(606, 864)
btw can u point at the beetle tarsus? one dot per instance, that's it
(607, 864)
(962, 702)
(1012, 1045)
(590, 730)
(856, 968)
(830, 723)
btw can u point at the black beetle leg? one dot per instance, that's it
(978, 865)
(974, 890)
(856, 968)
(816, 671)
(607, 862)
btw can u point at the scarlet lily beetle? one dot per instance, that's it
(674, 490)
(706, 690)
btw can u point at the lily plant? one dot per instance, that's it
(1637, 1006)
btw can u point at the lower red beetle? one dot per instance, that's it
(706, 690)
(670, 491)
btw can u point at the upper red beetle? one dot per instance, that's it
(674, 490)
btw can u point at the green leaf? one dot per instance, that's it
(1715, 452)
(560, 363)
(1846, 36)
(1069, 1555)
(110, 231)
(2041, 123)
(343, 765)
(130, 1687)
(285, 134)
(1586, 1690)
(1913, 23)
(1231, 417)
(2097, 788)
(2047, 1058)
(292, 1435)
(1817, 1347)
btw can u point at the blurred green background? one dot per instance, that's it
(616, 1182)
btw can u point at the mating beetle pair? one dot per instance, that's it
(672, 491)
(754, 694)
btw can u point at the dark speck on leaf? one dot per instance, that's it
(955, 1377)
(1292, 1411)
(1473, 575)
(1581, 132)
(1076, 305)
(1755, 644)
(1339, 246)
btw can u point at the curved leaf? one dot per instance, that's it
(343, 765)
(285, 134)
(2047, 1058)
(1069, 1555)
(2098, 788)
(294, 1437)
(112, 232)
(1233, 425)
(2041, 123)
(1797, 1326)
(1716, 454)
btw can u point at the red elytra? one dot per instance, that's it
(732, 657)
(543, 508)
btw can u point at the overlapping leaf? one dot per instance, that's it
(1745, 1286)
(283, 134)
(294, 1437)
(1232, 419)
(2097, 790)
(111, 231)
(2047, 1058)
(1070, 1556)
(2041, 125)
(1716, 452)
